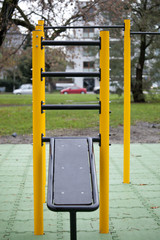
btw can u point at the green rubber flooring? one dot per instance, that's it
(134, 207)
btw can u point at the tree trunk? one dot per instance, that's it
(51, 85)
(137, 87)
(6, 17)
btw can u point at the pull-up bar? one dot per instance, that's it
(145, 33)
(100, 26)
(75, 27)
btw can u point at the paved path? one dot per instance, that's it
(134, 208)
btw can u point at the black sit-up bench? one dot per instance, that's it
(72, 184)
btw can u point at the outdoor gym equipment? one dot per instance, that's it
(86, 202)
(80, 201)
(39, 138)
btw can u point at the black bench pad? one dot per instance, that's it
(72, 180)
(72, 184)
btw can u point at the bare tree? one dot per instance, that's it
(54, 13)
(145, 16)
(6, 14)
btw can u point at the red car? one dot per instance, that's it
(74, 90)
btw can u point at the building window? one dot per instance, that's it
(88, 66)
(88, 32)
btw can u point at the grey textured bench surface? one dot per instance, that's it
(72, 178)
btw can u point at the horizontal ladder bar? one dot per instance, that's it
(70, 107)
(70, 43)
(75, 27)
(47, 139)
(145, 33)
(70, 74)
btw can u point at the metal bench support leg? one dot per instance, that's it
(73, 225)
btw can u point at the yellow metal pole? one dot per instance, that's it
(104, 132)
(41, 27)
(37, 130)
(127, 84)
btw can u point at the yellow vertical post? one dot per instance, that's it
(37, 56)
(104, 132)
(127, 84)
(40, 26)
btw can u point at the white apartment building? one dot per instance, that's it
(85, 59)
(13, 40)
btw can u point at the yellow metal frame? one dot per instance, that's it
(104, 133)
(38, 129)
(127, 90)
(40, 26)
(39, 164)
(39, 167)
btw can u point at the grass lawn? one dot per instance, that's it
(16, 112)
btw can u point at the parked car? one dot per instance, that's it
(114, 87)
(24, 89)
(155, 85)
(73, 90)
(96, 89)
(61, 86)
